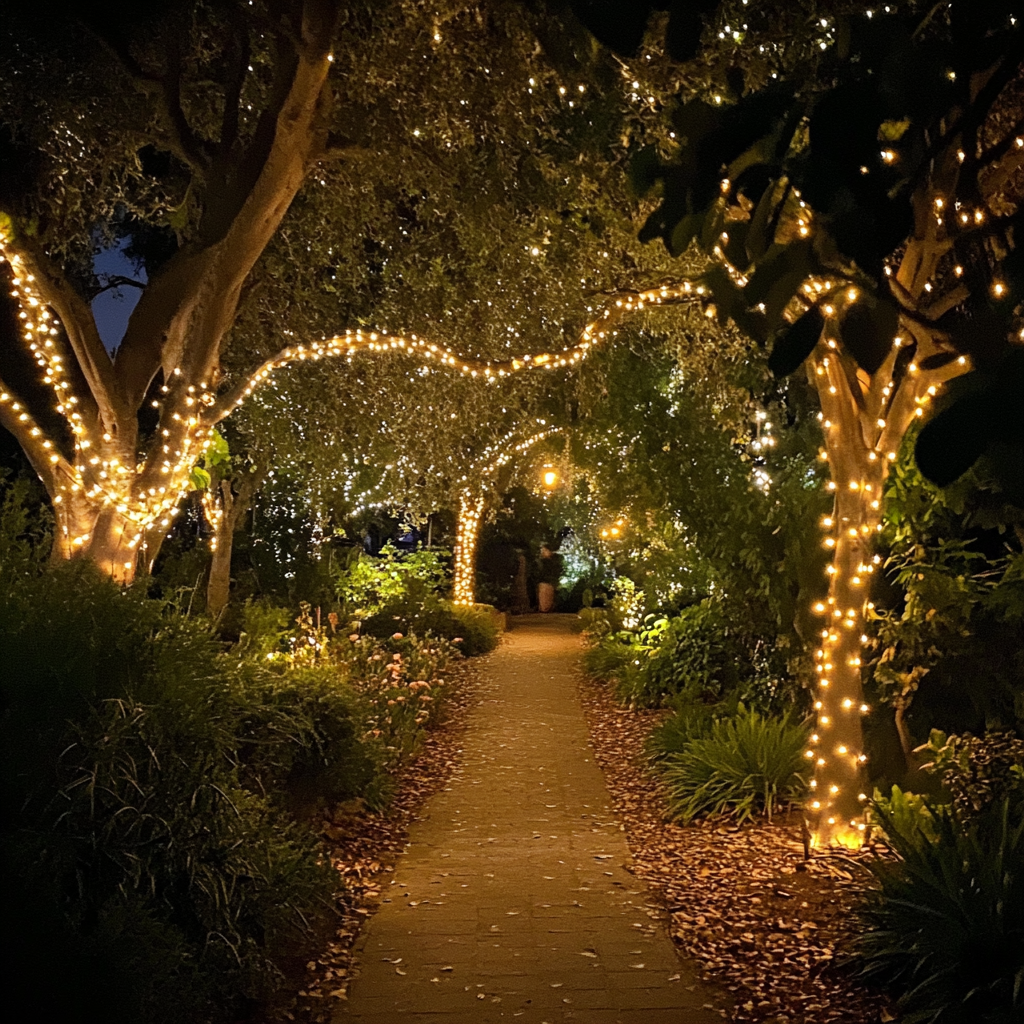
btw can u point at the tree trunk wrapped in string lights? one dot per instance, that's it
(467, 533)
(863, 419)
(471, 504)
(116, 488)
(866, 224)
(867, 406)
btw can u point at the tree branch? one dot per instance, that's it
(1000, 149)
(46, 461)
(192, 148)
(79, 328)
(946, 302)
(975, 114)
(234, 83)
(114, 281)
(342, 151)
(165, 88)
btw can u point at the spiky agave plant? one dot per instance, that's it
(944, 924)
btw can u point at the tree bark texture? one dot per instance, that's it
(235, 501)
(116, 493)
(864, 419)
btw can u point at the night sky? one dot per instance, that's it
(113, 308)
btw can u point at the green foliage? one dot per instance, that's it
(687, 723)
(910, 814)
(792, 165)
(153, 785)
(24, 529)
(946, 629)
(401, 593)
(472, 629)
(403, 680)
(979, 771)
(944, 924)
(215, 460)
(700, 656)
(367, 585)
(301, 740)
(670, 440)
(742, 766)
(127, 810)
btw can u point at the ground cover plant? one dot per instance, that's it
(742, 766)
(944, 923)
(157, 784)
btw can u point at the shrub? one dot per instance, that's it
(475, 626)
(944, 924)
(368, 585)
(910, 813)
(607, 658)
(689, 722)
(302, 739)
(151, 781)
(403, 682)
(744, 766)
(171, 887)
(978, 771)
(700, 656)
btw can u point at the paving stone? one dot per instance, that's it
(513, 901)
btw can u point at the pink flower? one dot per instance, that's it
(396, 636)
(457, 640)
(353, 637)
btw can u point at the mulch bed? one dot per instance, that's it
(761, 920)
(364, 848)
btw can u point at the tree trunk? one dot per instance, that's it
(864, 418)
(467, 531)
(114, 496)
(837, 804)
(235, 503)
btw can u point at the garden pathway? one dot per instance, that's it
(513, 900)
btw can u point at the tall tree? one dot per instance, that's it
(863, 209)
(192, 127)
(236, 101)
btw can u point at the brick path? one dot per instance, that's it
(512, 901)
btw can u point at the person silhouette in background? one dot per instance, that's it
(549, 575)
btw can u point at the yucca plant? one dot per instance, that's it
(744, 766)
(944, 924)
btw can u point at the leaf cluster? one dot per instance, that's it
(944, 923)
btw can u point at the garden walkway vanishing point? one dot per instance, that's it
(513, 901)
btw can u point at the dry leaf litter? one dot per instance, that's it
(761, 919)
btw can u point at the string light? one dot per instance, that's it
(469, 516)
(860, 435)
(144, 496)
